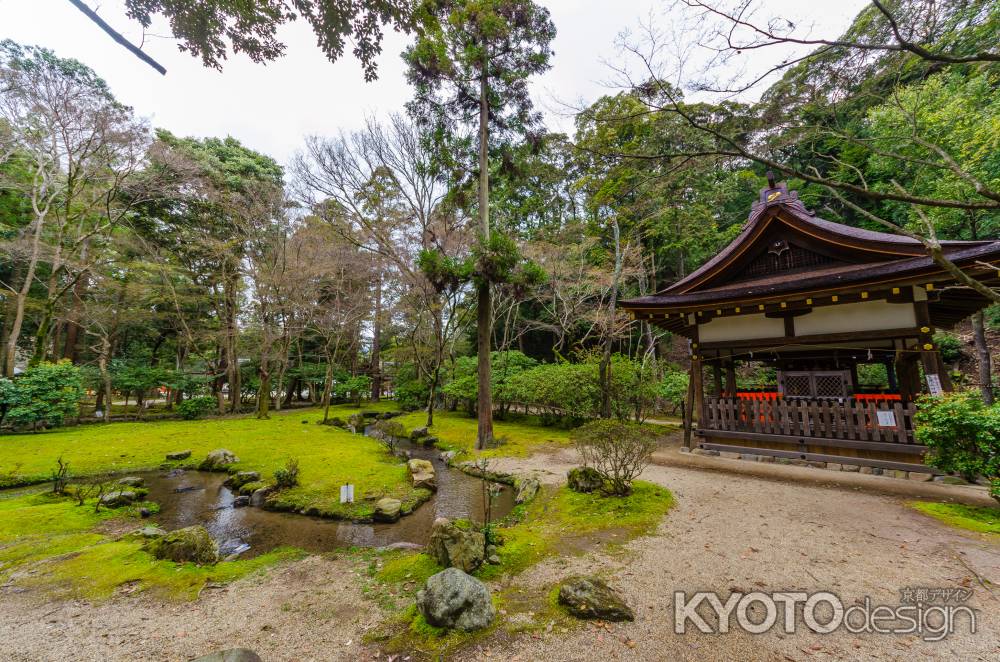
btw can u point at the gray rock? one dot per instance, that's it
(132, 481)
(422, 472)
(493, 559)
(584, 479)
(387, 509)
(231, 655)
(192, 544)
(179, 455)
(447, 457)
(145, 512)
(118, 499)
(418, 433)
(241, 501)
(949, 480)
(151, 532)
(527, 489)
(259, 497)
(429, 441)
(590, 597)
(218, 460)
(455, 600)
(356, 423)
(456, 545)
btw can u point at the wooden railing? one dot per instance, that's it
(824, 419)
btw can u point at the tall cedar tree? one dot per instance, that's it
(474, 58)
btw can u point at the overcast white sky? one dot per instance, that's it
(270, 108)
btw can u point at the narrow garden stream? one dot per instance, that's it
(187, 498)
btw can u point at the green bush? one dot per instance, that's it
(47, 394)
(673, 389)
(617, 451)
(565, 393)
(962, 435)
(464, 383)
(196, 407)
(949, 345)
(409, 390)
(288, 475)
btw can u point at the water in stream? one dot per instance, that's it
(194, 497)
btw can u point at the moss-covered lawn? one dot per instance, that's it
(557, 522)
(52, 544)
(519, 437)
(328, 457)
(972, 518)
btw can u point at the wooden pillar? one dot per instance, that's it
(697, 381)
(890, 375)
(689, 409)
(731, 377)
(929, 355)
(717, 377)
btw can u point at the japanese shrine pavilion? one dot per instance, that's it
(806, 302)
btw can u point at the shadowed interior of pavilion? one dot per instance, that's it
(813, 304)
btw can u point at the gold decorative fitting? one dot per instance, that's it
(895, 290)
(809, 302)
(925, 329)
(736, 309)
(694, 345)
(835, 298)
(701, 313)
(718, 311)
(760, 307)
(784, 305)
(694, 357)
(864, 295)
(928, 346)
(930, 287)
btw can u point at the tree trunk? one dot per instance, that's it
(327, 387)
(983, 356)
(21, 297)
(105, 375)
(484, 326)
(376, 364)
(264, 393)
(604, 370)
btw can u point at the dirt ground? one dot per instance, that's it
(796, 530)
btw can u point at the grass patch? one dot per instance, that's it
(48, 543)
(457, 431)
(973, 518)
(328, 457)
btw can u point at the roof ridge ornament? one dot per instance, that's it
(776, 193)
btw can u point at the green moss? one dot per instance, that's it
(972, 518)
(457, 431)
(328, 457)
(246, 489)
(413, 567)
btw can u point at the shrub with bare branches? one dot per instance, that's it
(618, 451)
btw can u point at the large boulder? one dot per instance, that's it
(387, 509)
(178, 455)
(192, 544)
(423, 474)
(118, 499)
(590, 597)
(584, 479)
(455, 600)
(218, 460)
(418, 433)
(132, 481)
(456, 545)
(527, 489)
(231, 655)
(356, 423)
(259, 497)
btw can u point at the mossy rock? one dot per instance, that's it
(192, 544)
(241, 478)
(246, 489)
(218, 460)
(591, 598)
(584, 480)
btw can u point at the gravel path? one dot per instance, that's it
(728, 532)
(733, 533)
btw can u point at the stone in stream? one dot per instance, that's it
(423, 474)
(429, 441)
(527, 488)
(447, 457)
(218, 460)
(151, 532)
(259, 497)
(456, 545)
(584, 479)
(590, 597)
(455, 600)
(118, 499)
(387, 509)
(241, 478)
(132, 481)
(231, 655)
(191, 544)
(241, 501)
(418, 433)
(178, 455)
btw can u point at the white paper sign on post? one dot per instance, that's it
(886, 419)
(346, 494)
(934, 385)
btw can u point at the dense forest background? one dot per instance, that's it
(199, 269)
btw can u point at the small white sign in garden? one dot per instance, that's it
(346, 494)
